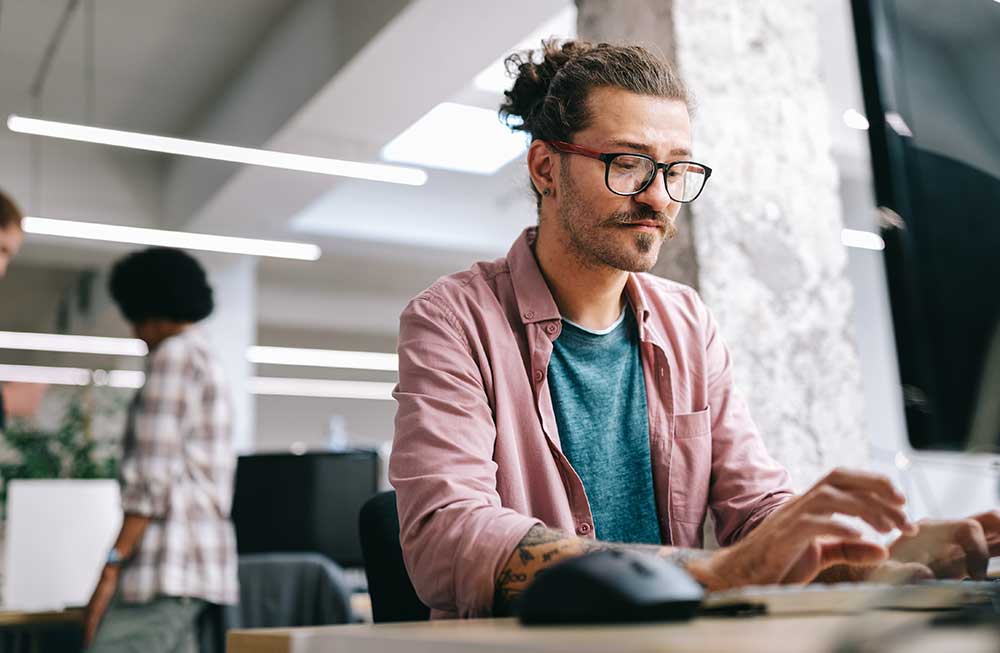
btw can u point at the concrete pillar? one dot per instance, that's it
(231, 329)
(766, 256)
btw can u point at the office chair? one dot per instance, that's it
(392, 594)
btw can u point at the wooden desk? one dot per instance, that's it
(61, 617)
(799, 634)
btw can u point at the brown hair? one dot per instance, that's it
(548, 99)
(10, 215)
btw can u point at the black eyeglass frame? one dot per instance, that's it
(608, 157)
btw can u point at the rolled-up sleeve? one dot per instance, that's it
(153, 453)
(748, 484)
(454, 533)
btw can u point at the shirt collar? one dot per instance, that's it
(534, 299)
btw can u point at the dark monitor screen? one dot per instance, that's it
(931, 79)
(289, 503)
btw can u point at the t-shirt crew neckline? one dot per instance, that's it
(601, 332)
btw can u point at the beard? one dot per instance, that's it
(589, 239)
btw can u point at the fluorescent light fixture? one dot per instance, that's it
(356, 360)
(457, 137)
(861, 239)
(260, 385)
(494, 79)
(328, 388)
(855, 120)
(70, 376)
(126, 379)
(72, 344)
(247, 155)
(163, 238)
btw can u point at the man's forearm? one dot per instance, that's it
(133, 527)
(542, 547)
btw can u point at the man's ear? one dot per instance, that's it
(542, 166)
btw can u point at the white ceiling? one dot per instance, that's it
(157, 63)
(327, 77)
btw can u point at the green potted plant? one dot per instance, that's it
(68, 451)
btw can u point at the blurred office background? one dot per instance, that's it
(802, 302)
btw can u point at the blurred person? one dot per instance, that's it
(176, 551)
(16, 399)
(561, 400)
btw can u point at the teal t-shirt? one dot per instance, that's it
(599, 396)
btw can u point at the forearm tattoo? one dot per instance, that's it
(542, 547)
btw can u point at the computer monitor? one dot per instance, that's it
(932, 92)
(58, 535)
(287, 503)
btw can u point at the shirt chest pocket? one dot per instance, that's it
(691, 466)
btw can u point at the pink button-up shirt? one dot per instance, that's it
(476, 460)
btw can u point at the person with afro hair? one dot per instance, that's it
(176, 551)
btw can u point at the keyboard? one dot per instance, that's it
(852, 597)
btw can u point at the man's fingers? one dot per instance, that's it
(811, 527)
(851, 552)
(883, 516)
(854, 481)
(990, 521)
(969, 535)
(901, 572)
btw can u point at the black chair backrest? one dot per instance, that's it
(392, 594)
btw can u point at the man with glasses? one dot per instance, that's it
(560, 400)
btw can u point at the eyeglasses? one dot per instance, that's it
(627, 173)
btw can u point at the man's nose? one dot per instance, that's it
(655, 195)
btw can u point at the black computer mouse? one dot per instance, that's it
(612, 586)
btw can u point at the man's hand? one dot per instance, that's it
(959, 548)
(801, 539)
(99, 602)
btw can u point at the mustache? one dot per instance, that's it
(644, 214)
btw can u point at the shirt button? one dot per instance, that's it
(529, 314)
(583, 529)
(539, 375)
(550, 328)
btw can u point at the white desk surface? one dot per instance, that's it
(794, 634)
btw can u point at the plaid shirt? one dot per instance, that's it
(177, 469)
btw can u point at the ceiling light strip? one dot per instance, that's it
(266, 355)
(72, 344)
(70, 376)
(260, 385)
(327, 388)
(163, 238)
(358, 360)
(247, 155)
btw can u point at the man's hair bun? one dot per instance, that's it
(532, 80)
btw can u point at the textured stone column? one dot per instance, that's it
(766, 256)
(767, 234)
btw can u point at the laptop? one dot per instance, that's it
(58, 534)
